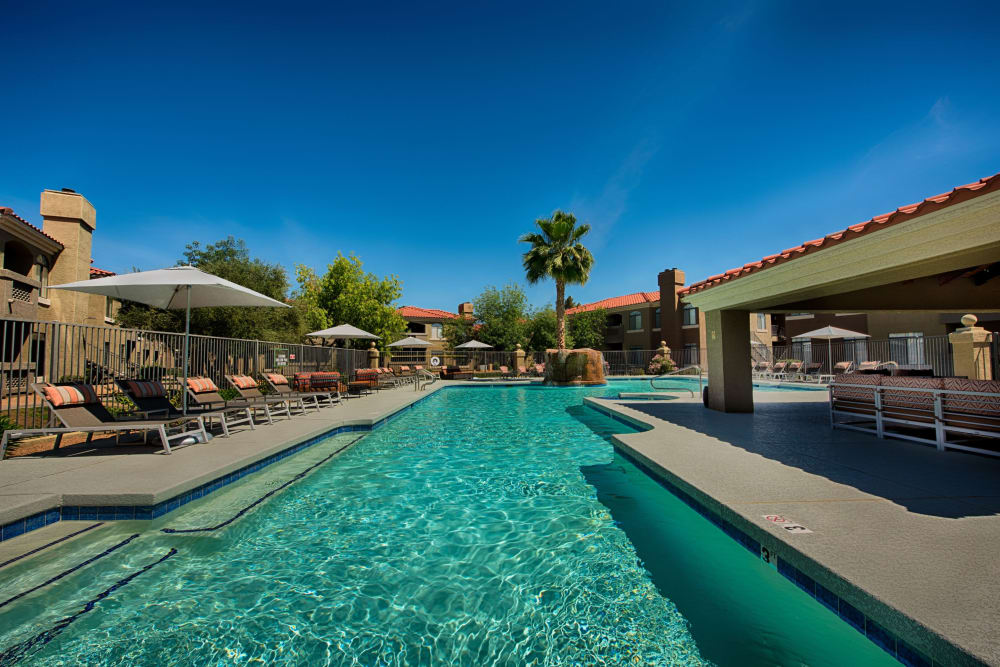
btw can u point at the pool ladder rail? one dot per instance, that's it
(423, 380)
(678, 371)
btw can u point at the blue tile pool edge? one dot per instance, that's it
(888, 641)
(51, 515)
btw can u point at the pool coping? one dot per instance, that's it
(921, 646)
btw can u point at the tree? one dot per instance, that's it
(347, 294)
(541, 330)
(459, 330)
(230, 259)
(588, 327)
(502, 315)
(570, 303)
(556, 253)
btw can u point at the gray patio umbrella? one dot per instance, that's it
(344, 331)
(473, 345)
(828, 333)
(175, 288)
(410, 341)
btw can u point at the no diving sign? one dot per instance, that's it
(786, 524)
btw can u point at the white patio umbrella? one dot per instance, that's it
(175, 288)
(828, 333)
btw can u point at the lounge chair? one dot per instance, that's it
(522, 371)
(249, 391)
(810, 372)
(839, 368)
(504, 372)
(778, 369)
(151, 399)
(79, 410)
(761, 369)
(540, 369)
(280, 386)
(790, 372)
(204, 394)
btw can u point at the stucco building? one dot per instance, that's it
(639, 321)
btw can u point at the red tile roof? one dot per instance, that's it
(958, 195)
(616, 302)
(6, 210)
(429, 313)
(100, 273)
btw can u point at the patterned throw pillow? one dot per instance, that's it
(201, 385)
(75, 394)
(276, 378)
(244, 382)
(146, 389)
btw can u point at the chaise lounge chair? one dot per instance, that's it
(79, 410)
(249, 391)
(281, 387)
(151, 399)
(203, 392)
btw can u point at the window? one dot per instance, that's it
(907, 348)
(109, 307)
(855, 349)
(690, 354)
(690, 315)
(634, 320)
(802, 349)
(762, 321)
(437, 331)
(656, 318)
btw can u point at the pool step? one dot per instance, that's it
(17, 549)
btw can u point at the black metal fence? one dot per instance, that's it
(37, 351)
(929, 353)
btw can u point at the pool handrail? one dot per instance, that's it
(423, 378)
(677, 371)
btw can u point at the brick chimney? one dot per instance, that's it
(670, 280)
(68, 217)
(465, 308)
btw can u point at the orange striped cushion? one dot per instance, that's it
(76, 394)
(146, 389)
(276, 378)
(244, 382)
(201, 385)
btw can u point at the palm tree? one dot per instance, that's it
(557, 253)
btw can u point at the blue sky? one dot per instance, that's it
(425, 137)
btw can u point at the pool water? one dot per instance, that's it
(486, 526)
(616, 386)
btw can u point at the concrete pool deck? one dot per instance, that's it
(908, 535)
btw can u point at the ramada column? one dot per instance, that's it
(730, 388)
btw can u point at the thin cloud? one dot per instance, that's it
(605, 210)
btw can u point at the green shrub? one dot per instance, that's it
(661, 364)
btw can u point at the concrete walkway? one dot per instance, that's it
(146, 476)
(909, 535)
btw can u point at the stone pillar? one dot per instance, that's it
(519, 358)
(373, 356)
(970, 350)
(730, 388)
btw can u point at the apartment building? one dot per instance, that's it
(639, 321)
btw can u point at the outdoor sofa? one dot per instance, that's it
(951, 413)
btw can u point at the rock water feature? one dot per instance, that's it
(574, 367)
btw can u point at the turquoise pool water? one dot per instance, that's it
(486, 526)
(615, 386)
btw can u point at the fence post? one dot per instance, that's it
(373, 356)
(970, 349)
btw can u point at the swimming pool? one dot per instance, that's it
(616, 386)
(490, 525)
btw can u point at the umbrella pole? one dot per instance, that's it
(829, 354)
(187, 347)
